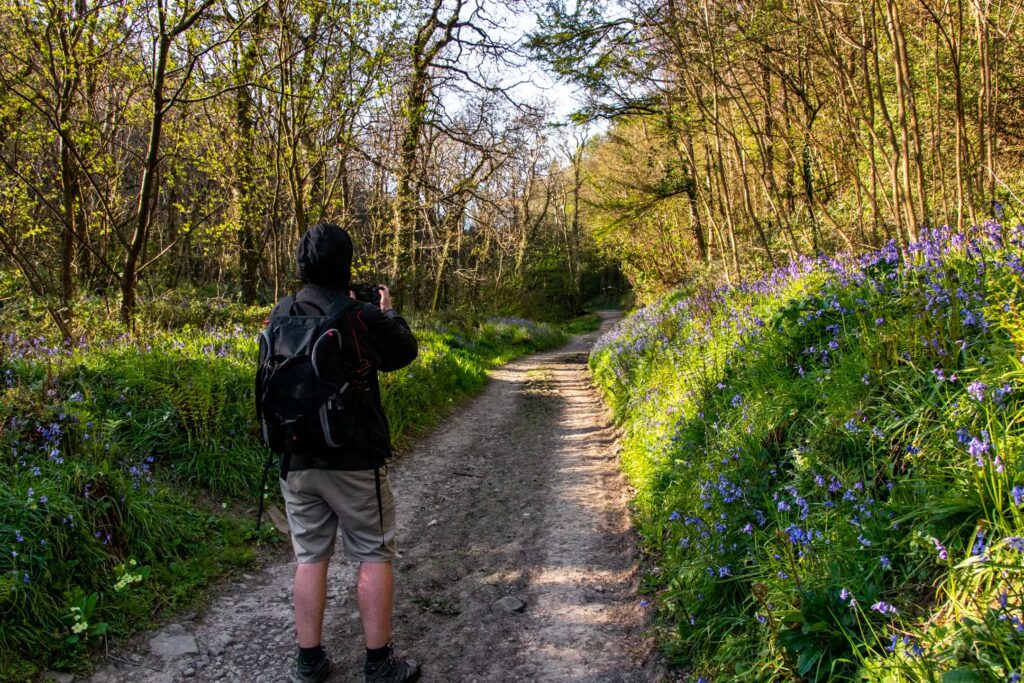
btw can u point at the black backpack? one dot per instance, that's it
(304, 401)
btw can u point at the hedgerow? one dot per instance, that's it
(828, 464)
(129, 466)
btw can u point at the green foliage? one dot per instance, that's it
(828, 465)
(129, 465)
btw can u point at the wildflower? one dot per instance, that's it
(884, 608)
(645, 603)
(979, 544)
(18, 537)
(1015, 543)
(885, 562)
(782, 575)
(940, 549)
(978, 447)
(673, 517)
(736, 401)
(1002, 598)
(977, 390)
(1018, 494)
(913, 450)
(760, 618)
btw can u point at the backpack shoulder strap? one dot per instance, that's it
(337, 308)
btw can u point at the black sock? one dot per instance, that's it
(377, 654)
(311, 655)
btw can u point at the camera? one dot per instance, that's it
(371, 294)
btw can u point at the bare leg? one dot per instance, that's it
(310, 601)
(375, 594)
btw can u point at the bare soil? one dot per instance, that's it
(518, 559)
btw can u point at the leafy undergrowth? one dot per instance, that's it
(828, 465)
(129, 465)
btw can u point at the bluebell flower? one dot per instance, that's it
(884, 608)
(1018, 494)
(977, 390)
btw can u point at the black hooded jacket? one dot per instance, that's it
(381, 341)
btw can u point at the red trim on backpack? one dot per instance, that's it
(355, 338)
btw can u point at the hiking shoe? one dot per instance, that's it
(304, 673)
(392, 670)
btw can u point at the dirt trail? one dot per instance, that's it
(518, 559)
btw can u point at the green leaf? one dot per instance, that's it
(961, 676)
(807, 661)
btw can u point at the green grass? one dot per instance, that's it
(812, 448)
(138, 456)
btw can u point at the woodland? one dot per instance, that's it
(811, 204)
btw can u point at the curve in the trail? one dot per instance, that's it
(518, 558)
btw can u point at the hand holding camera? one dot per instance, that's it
(378, 295)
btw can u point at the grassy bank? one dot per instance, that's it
(828, 465)
(129, 464)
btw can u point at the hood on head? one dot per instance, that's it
(324, 256)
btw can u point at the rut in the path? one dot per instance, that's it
(518, 560)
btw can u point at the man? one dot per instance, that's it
(347, 485)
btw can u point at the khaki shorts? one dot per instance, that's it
(317, 500)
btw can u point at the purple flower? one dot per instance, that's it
(940, 549)
(886, 563)
(978, 448)
(884, 608)
(1018, 494)
(977, 390)
(979, 543)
